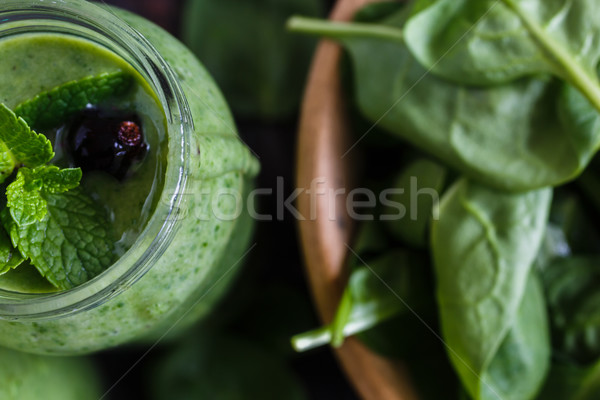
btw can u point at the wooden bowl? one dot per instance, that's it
(322, 140)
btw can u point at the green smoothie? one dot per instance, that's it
(186, 279)
(128, 203)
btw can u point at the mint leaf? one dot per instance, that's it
(25, 195)
(20, 144)
(52, 108)
(49, 220)
(71, 244)
(7, 161)
(9, 256)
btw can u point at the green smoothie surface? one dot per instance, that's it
(33, 63)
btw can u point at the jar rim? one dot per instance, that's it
(99, 24)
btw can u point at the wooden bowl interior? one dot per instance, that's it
(323, 138)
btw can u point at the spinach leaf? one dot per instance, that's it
(483, 248)
(571, 382)
(571, 286)
(554, 245)
(528, 134)
(375, 12)
(571, 217)
(383, 289)
(370, 243)
(421, 182)
(412, 335)
(399, 280)
(485, 42)
(519, 367)
(570, 231)
(389, 293)
(389, 304)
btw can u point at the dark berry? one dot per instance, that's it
(130, 134)
(109, 141)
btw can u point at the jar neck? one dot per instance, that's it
(102, 27)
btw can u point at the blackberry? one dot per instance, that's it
(106, 140)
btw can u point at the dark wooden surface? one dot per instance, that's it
(278, 258)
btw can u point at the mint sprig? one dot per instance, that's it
(71, 244)
(51, 108)
(48, 220)
(20, 145)
(9, 256)
(26, 196)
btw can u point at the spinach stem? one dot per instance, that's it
(339, 30)
(335, 333)
(312, 339)
(568, 68)
(341, 319)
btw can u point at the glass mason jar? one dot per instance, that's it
(196, 238)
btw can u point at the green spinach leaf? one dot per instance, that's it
(389, 304)
(519, 367)
(572, 220)
(524, 135)
(421, 182)
(375, 12)
(489, 42)
(483, 246)
(375, 293)
(571, 285)
(572, 383)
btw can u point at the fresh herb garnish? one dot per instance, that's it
(26, 196)
(48, 219)
(52, 108)
(20, 145)
(9, 256)
(71, 244)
